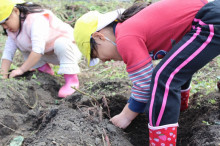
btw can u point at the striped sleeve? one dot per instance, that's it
(140, 92)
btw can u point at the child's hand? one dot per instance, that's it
(123, 119)
(15, 73)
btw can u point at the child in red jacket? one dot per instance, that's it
(185, 32)
(42, 38)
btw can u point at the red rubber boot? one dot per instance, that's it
(184, 99)
(163, 135)
(46, 69)
(70, 80)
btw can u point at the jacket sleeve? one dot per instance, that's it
(139, 67)
(140, 92)
(9, 50)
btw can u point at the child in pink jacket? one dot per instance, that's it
(42, 38)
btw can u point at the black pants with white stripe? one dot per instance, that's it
(195, 50)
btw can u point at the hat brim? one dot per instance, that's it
(108, 18)
(18, 1)
(94, 61)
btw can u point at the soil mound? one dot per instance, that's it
(29, 107)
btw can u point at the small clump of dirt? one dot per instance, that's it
(29, 107)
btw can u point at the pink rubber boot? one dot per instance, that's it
(46, 69)
(184, 99)
(163, 135)
(70, 80)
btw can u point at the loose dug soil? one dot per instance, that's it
(29, 107)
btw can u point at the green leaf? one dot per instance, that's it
(217, 123)
(57, 102)
(17, 141)
(34, 76)
(212, 101)
(205, 122)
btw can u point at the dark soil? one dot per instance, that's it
(29, 107)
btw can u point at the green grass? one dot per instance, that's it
(72, 10)
(112, 70)
(204, 80)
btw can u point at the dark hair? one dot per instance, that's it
(93, 46)
(129, 12)
(25, 9)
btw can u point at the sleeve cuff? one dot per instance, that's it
(135, 106)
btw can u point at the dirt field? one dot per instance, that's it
(29, 107)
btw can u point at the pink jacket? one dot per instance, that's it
(39, 32)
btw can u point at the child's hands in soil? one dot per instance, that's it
(123, 119)
(16, 72)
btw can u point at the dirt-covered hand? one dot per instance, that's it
(16, 72)
(123, 119)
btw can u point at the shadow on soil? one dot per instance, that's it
(29, 107)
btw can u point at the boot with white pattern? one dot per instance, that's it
(165, 135)
(184, 99)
